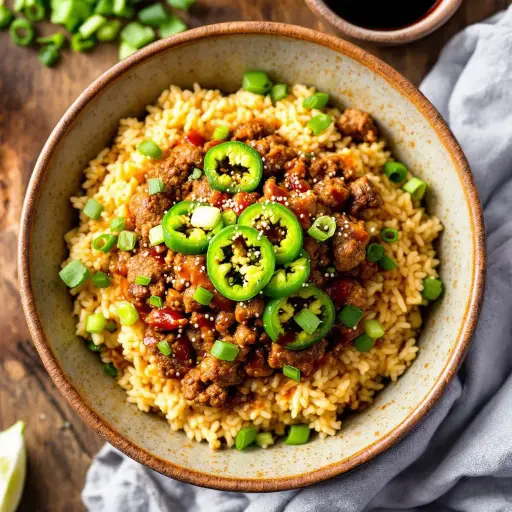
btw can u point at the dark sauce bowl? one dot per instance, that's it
(407, 28)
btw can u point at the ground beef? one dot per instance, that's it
(305, 207)
(224, 320)
(249, 309)
(331, 166)
(143, 264)
(119, 263)
(319, 253)
(174, 299)
(364, 195)
(332, 192)
(201, 333)
(349, 242)
(305, 360)
(357, 124)
(367, 269)
(148, 211)
(200, 190)
(251, 130)
(190, 270)
(344, 336)
(275, 153)
(295, 175)
(245, 336)
(257, 365)
(346, 290)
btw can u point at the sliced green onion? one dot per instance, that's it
(156, 301)
(143, 280)
(137, 35)
(298, 434)
(416, 188)
(374, 329)
(82, 44)
(228, 217)
(127, 313)
(203, 296)
(117, 224)
(93, 347)
(153, 15)
(49, 55)
(374, 252)
(150, 148)
(19, 5)
(256, 82)
(172, 26)
(278, 92)
(432, 288)
(35, 11)
(126, 240)
(125, 50)
(319, 123)
(264, 439)
(323, 228)
(386, 263)
(205, 217)
(95, 323)
(181, 4)
(331, 270)
(120, 7)
(105, 7)
(93, 209)
(350, 315)
(291, 372)
(57, 40)
(70, 13)
(155, 185)
(318, 100)
(109, 31)
(22, 32)
(101, 280)
(224, 351)
(196, 174)
(110, 370)
(74, 273)
(307, 320)
(156, 235)
(6, 16)
(395, 171)
(111, 326)
(164, 348)
(221, 133)
(91, 25)
(104, 243)
(363, 343)
(389, 235)
(245, 437)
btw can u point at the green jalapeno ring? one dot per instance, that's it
(276, 214)
(239, 155)
(279, 311)
(289, 279)
(178, 217)
(253, 267)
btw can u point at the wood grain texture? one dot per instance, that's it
(32, 99)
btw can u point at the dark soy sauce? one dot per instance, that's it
(383, 14)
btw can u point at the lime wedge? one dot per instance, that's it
(13, 465)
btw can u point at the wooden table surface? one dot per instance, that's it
(32, 99)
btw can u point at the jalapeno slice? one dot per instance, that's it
(240, 262)
(279, 225)
(233, 167)
(290, 277)
(279, 318)
(180, 235)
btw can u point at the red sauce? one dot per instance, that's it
(166, 319)
(219, 199)
(182, 350)
(284, 339)
(153, 252)
(204, 323)
(242, 200)
(298, 185)
(274, 192)
(143, 309)
(339, 290)
(194, 137)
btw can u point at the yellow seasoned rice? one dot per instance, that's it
(394, 297)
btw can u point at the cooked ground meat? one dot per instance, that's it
(190, 270)
(364, 195)
(251, 130)
(144, 264)
(200, 191)
(249, 309)
(305, 360)
(367, 269)
(357, 124)
(189, 302)
(347, 291)
(331, 166)
(119, 263)
(349, 242)
(332, 192)
(257, 365)
(224, 320)
(148, 211)
(275, 153)
(245, 335)
(174, 299)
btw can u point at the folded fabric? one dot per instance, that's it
(460, 456)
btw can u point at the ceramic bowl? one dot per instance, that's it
(441, 12)
(217, 56)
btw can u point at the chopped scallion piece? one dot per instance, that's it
(95, 323)
(323, 228)
(74, 273)
(150, 148)
(363, 343)
(319, 123)
(256, 82)
(137, 35)
(91, 25)
(432, 288)
(307, 320)
(109, 31)
(156, 235)
(386, 263)
(224, 351)
(104, 243)
(278, 92)
(93, 209)
(374, 252)
(49, 55)
(291, 372)
(101, 280)
(389, 235)
(264, 439)
(126, 240)
(298, 434)
(416, 188)
(117, 224)
(6, 16)
(196, 174)
(395, 171)
(164, 348)
(19, 5)
(143, 280)
(350, 315)
(153, 15)
(228, 217)
(127, 313)
(318, 100)
(70, 13)
(93, 347)
(82, 44)
(125, 50)
(374, 329)
(110, 370)
(35, 11)
(203, 296)
(205, 217)
(172, 26)
(181, 4)
(156, 301)
(105, 7)
(155, 185)
(245, 437)
(22, 32)
(221, 132)
(57, 40)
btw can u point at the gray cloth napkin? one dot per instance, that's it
(460, 457)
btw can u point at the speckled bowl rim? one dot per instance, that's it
(108, 431)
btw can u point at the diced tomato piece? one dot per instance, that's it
(194, 137)
(339, 290)
(360, 234)
(273, 192)
(219, 199)
(182, 350)
(166, 319)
